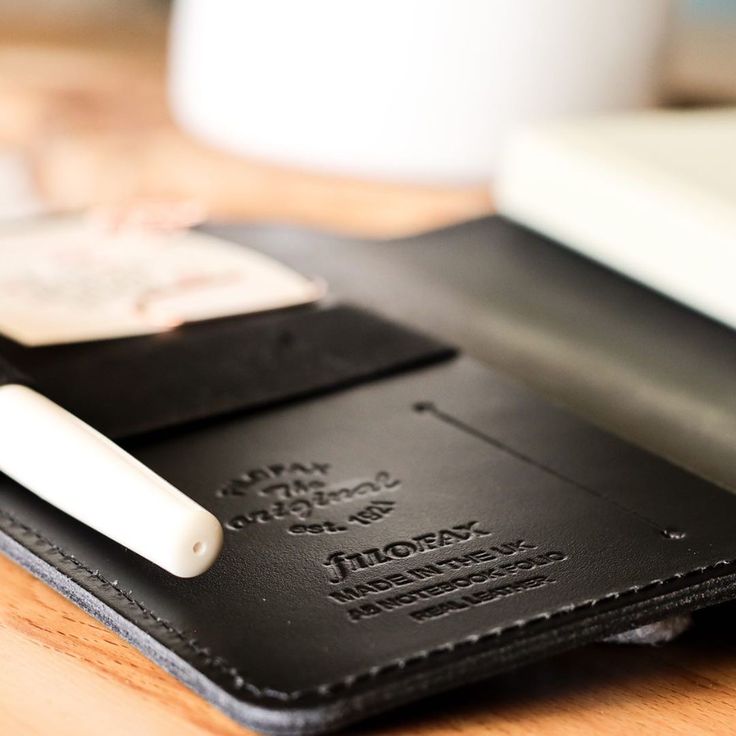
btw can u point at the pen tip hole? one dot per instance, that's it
(198, 548)
(673, 534)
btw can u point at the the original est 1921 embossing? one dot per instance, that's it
(340, 564)
(302, 492)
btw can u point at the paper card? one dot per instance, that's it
(71, 280)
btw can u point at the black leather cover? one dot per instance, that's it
(618, 354)
(391, 540)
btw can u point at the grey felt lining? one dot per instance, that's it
(654, 634)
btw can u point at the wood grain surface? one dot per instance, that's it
(86, 106)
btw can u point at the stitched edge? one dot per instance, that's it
(222, 666)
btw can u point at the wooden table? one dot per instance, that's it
(86, 108)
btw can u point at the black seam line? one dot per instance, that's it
(222, 667)
(430, 408)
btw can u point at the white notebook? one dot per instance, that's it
(652, 195)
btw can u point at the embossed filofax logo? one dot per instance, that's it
(341, 564)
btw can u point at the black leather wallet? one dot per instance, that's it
(399, 519)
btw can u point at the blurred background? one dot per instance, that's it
(378, 119)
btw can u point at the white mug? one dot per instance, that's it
(419, 90)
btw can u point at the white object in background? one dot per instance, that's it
(652, 195)
(68, 280)
(424, 90)
(73, 467)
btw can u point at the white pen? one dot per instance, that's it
(75, 468)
